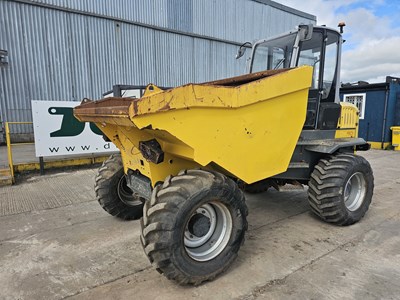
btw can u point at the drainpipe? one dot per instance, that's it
(385, 116)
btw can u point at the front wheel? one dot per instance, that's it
(194, 225)
(341, 188)
(113, 193)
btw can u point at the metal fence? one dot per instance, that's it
(10, 144)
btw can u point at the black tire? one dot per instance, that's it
(170, 219)
(257, 187)
(341, 188)
(113, 194)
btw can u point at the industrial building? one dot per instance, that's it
(69, 50)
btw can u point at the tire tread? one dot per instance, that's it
(325, 193)
(158, 219)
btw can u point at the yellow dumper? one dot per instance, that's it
(188, 153)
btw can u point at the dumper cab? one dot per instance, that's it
(318, 47)
(327, 119)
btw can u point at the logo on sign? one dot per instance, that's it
(70, 126)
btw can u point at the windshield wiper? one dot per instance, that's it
(279, 63)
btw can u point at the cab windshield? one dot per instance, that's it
(273, 54)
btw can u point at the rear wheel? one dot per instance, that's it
(341, 188)
(194, 225)
(112, 192)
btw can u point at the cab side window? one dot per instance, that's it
(331, 50)
(310, 55)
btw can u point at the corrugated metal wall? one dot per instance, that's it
(71, 49)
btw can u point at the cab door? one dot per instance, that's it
(321, 52)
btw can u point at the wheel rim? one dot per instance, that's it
(208, 231)
(354, 192)
(125, 194)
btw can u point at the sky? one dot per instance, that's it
(372, 33)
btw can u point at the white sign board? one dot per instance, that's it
(58, 132)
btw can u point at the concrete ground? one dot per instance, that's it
(25, 154)
(24, 158)
(56, 242)
(25, 151)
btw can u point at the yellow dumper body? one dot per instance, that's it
(245, 126)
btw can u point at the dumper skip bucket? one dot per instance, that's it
(246, 126)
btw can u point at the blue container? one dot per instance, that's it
(379, 105)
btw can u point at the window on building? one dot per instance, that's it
(358, 100)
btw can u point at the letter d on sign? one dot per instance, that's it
(107, 146)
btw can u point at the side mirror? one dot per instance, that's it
(306, 32)
(242, 49)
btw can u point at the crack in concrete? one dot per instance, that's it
(278, 220)
(85, 289)
(27, 236)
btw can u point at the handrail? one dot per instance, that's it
(9, 150)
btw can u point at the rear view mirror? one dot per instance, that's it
(242, 49)
(306, 32)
